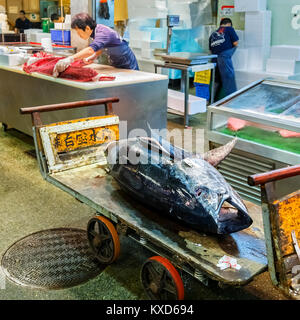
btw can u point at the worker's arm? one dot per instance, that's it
(92, 58)
(84, 54)
(236, 43)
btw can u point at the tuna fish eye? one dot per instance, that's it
(198, 192)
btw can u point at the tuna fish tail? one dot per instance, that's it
(216, 156)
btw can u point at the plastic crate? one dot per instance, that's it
(57, 36)
(202, 90)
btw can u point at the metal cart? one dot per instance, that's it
(77, 166)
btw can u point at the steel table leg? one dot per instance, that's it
(212, 95)
(186, 82)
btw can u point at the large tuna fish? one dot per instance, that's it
(183, 185)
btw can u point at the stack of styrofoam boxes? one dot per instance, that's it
(257, 35)
(140, 40)
(143, 15)
(193, 13)
(284, 60)
(147, 9)
(4, 27)
(240, 58)
(30, 32)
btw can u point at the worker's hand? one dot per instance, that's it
(62, 65)
(91, 59)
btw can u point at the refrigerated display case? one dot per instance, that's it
(265, 117)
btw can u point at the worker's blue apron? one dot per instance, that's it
(122, 57)
(226, 69)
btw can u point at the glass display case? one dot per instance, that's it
(265, 117)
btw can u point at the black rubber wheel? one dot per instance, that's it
(5, 127)
(161, 280)
(103, 239)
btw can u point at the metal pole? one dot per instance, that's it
(61, 14)
(212, 98)
(185, 87)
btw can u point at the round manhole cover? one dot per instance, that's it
(51, 259)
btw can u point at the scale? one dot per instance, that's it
(172, 21)
(181, 58)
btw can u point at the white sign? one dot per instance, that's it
(227, 11)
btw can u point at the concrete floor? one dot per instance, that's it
(29, 204)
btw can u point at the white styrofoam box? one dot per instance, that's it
(68, 19)
(285, 52)
(153, 44)
(30, 32)
(147, 3)
(241, 35)
(250, 5)
(258, 28)
(60, 26)
(147, 53)
(240, 59)
(135, 43)
(12, 60)
(137, 52)
(176, 102)
(141, 35)
(257, 58)
(290, 67)
(37, 37)
(147, 13)
(146, 65)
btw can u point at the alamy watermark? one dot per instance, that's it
(170, 144)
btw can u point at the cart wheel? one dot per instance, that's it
(161, 280)
(103, 239)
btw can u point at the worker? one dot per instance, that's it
(22, 23)
(105, 40)
(223, 42)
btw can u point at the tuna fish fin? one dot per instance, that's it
(216, 156)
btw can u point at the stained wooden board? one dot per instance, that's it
(199, 250)
(287, 220)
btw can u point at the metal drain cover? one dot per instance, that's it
(51, 259)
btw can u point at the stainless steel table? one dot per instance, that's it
(185, 70)
(137, 108)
